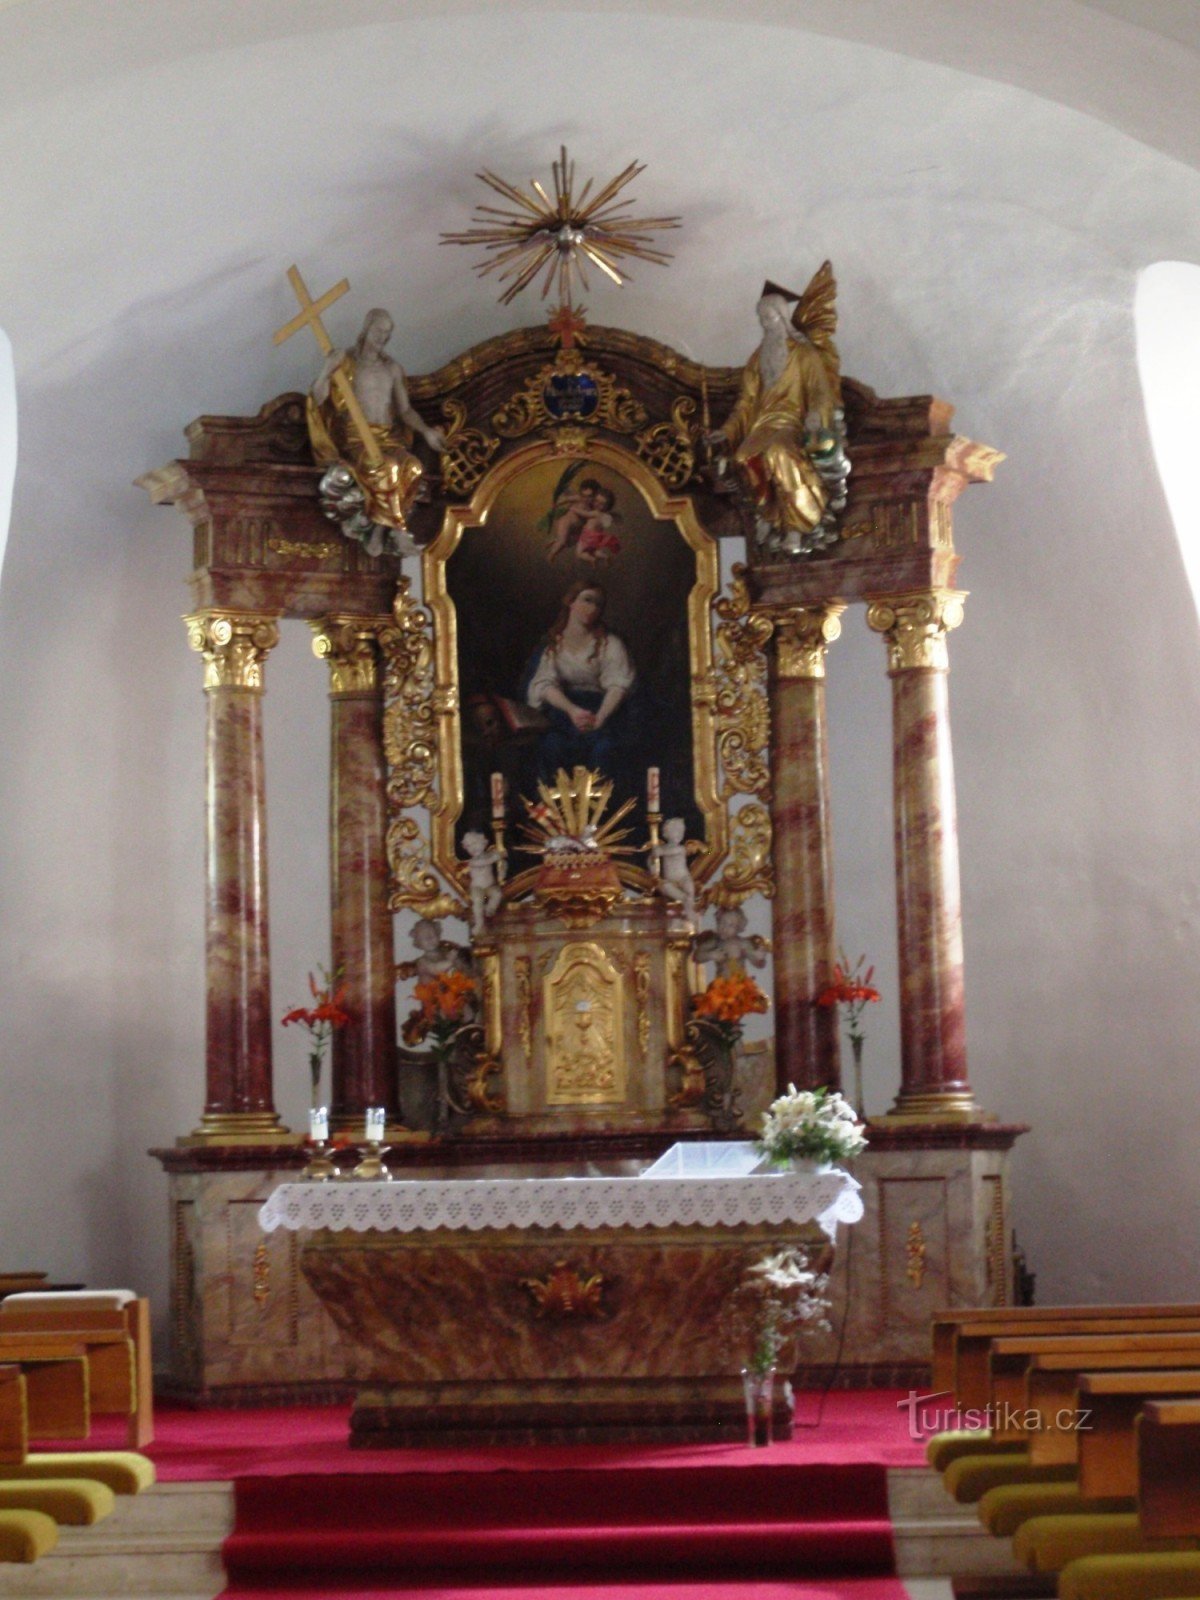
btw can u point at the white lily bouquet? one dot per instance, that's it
(813, 1124)
(779, 1299)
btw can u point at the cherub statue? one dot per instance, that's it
(729, 946)
(786, 432)
(386, 474)
(669, 859)
(436, 955)
(485, 865)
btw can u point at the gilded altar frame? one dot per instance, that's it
(447, 803)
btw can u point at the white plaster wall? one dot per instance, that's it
(987, 244)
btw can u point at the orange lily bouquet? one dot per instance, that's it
(726, 1001)
(443, 1004)
(321, 1020)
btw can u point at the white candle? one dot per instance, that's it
(497, 797)
(318, 1124)
(375, 1118)
(652, 794)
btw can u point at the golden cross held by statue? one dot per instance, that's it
(309, 316)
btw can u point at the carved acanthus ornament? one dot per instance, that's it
(802, 634)
(748, 868)
(566, 1293)
(410, 742)
(351, 647)
(669, 448)
(234, 644)
(741, 707)
(467, 453)
(916, 626)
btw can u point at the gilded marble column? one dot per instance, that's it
(364, 1051)
(933, 1061)
(805, 944)
(239, 1103)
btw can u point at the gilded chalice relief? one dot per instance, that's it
(572, 611)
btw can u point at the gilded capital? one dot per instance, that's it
(351, 647)
(234, 644)
(801, 635)
(916, 626)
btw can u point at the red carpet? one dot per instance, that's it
(207, 1446)
(805, 1520)
(535, 1525)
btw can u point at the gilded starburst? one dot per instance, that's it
(559, 238)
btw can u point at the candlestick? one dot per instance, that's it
(653, 799)
(653, 822)
(497, 797)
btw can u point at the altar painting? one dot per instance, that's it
(573, 616)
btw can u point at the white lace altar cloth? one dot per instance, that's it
(411, 1205)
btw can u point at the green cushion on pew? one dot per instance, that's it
(124, 1471)
(1002, 1510)
(1157, 1577)
(26, 1535)
(1047, 1544)
(970, 1477)
(77, 1501)
(943, 1448)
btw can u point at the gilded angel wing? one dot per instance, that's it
(816, 318)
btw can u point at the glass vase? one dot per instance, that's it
(759, 1390)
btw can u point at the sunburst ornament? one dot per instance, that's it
(561, 236)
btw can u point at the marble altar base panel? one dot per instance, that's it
(613, 1411)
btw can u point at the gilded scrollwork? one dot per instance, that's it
(565, 1292)
(641, 991)
(410, 742)
(614, 406)
(467, 454)
(525, 1004)
(748, 867)
(741, 705)
(669, 448)
(915, 1252)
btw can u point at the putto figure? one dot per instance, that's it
(369, 490)
(485, 869)
(669, 861)
(729, 946)
(786, 433)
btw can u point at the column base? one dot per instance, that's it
(238, 1127)
(933, 1105)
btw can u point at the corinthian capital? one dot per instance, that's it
(234, 644)
(916, 626)
(801, 634)
(351, 647)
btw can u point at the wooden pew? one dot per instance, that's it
(972, 1346)
(1051, 1384)
(1019, 1319)
(1168, 1453)
(14, 1416)
(56, 1384)
(1108, 1458)
(117, 1339)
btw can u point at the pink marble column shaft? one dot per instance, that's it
(933, 1061)
(364, 1051)
(805, 944)
(239, 1101)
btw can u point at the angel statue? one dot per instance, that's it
(364, 439)
(786, 433)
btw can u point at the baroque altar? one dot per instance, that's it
(575, 770)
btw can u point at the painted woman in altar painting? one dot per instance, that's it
(582, 683)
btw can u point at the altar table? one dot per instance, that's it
(564, 1309)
